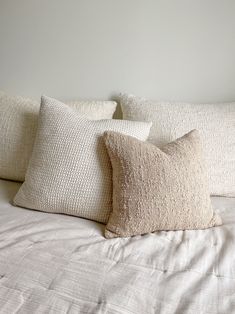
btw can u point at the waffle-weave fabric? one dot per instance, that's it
(70, 171)
(18, 126)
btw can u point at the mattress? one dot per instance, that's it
(52, 263)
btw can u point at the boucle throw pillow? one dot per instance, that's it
(69, 171)
(18, 125)
(157, 189)
(216, 123)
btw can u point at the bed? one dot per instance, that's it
(51, 263)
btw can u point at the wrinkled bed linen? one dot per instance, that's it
(52, 263)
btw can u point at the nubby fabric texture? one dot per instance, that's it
(157, 189)
(18, 125)
(70, 171)
(216, 123)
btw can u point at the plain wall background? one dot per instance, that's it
(164, 50)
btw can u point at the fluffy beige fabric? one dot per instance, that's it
(69, 171)
(216, 123)
(157, 189)
(18, 125)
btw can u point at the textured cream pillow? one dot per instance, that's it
(18, 124)
(70, 171)
(216, 123)
(157, 189)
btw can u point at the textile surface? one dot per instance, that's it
(69, 171)
(18, 125)
(216, 123)
(57, 264)
(158, 189)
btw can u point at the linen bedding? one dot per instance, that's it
(51, 263)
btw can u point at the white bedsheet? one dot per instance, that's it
(59, 264)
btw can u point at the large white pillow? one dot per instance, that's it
(216, 123)
(18, 125)
(69, 171)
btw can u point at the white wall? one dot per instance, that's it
(176, 50)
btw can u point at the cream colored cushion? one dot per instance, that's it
(18, 124)
(69, 171)
(216, 123)
(157, 189)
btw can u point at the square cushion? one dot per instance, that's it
(18, 125)
(157, 189)
(69, 171)
(216, 123)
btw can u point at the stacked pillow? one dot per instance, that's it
(104, 170)
(216, 123)
(158, 189)
(69, 171)
(18, 125)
